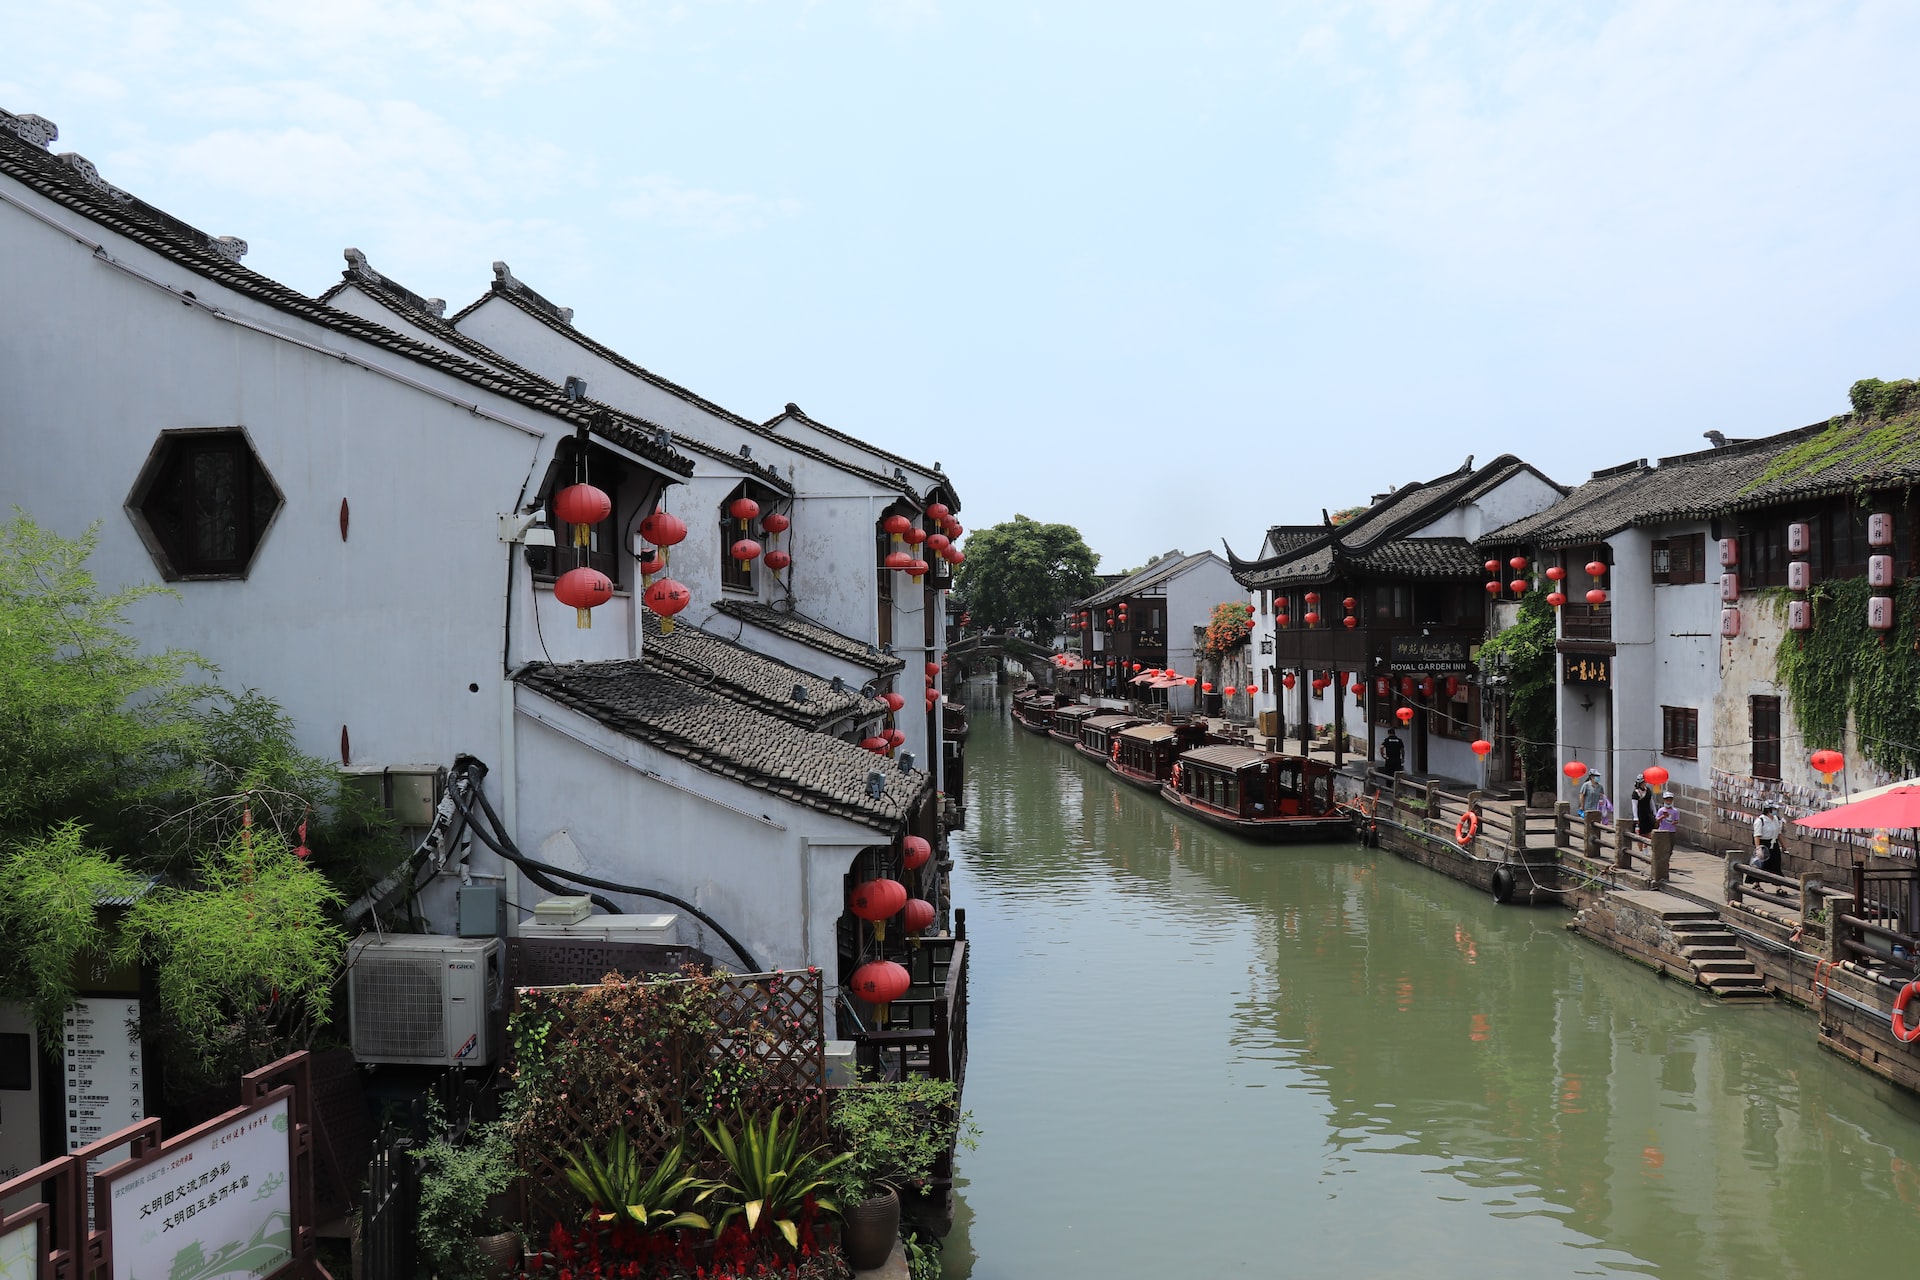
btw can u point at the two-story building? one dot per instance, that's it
(1145, 621)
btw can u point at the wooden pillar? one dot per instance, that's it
(1517, 841)
(1590, 835)
(1732, 873)
(1562, 836)
(1840, 904)
(1662, 855)
(1623, 842)
(1305, 690)
(1339, 725)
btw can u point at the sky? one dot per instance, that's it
(1167, 273)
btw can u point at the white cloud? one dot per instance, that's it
(677, 207)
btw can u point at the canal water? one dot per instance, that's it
(1195, 1056)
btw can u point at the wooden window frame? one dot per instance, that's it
(1763, 711)
(1680, 732)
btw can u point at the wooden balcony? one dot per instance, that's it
(1590, 622)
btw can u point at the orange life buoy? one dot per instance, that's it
(1900, 1031)
(1116, 748)
(1176, 775)
(1822, 978)
(1469, 828)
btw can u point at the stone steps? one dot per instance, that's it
(1718, 962)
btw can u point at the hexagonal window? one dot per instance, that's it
(203, 503)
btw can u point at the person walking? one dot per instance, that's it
(1393, 753)
(1592, 792)
(1667, 816)
(1766, 839)
(1643, 818)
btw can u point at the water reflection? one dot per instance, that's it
(1196, 1056)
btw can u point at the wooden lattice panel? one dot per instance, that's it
(658, 1087)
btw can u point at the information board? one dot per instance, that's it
(105, 1085)
(21, 1250)
(219, 1205)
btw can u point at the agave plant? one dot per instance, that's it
(618, 1186)
(772, 1176)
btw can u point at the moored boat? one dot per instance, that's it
(1033, 710)
(1142, 755)
(1068, 719)
(1096, 734)
(1262, 795)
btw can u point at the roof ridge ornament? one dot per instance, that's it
(504, 281)
(29, 128)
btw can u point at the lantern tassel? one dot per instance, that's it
(879, 930)
(581, 535)
(583, 619)
(666, 626)
(880, 1014)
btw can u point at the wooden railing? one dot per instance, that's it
(926, 1031)
(1586, 622)
(1507, 828)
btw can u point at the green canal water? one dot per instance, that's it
(1194, 1056)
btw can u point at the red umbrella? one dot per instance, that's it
(1892, 809)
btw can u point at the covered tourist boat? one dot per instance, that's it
(1262, 795)
(1142, 756)
(1033, 709)
(1096, 733)
(1068, 719)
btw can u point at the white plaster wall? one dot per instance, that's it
(779, 890)
(1520, 496)
(1636, 710)
(1191, 595)
(1686, 668)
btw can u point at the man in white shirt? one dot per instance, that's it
(1766, 839)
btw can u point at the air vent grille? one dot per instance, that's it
(398, 1007)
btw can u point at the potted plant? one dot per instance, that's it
(461, 1233)
(618, 1186)
(772, 1178)
(892, 1135)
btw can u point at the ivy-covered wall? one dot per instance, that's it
(1843, 670)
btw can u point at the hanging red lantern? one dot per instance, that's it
(1493, 566)
(955, 529)
(582, 506)
(896, 525)
(1359, 685)
(1556, 598)
(874, 743)
(894, 737)
(778, 560)
(917, 568)
(1207, 687)
(1555, 572)
(1596, 568)
(893, 700)
(1230, 690)
(1349, 604)
(953, 556)
(1313, 597)
(1382, 686)
(1405, 715)
(1287, 681)
(746, 551)
(666, 598)
(897, 560)
(1517, 563)
(913, 536)
(743, 510)
(1574, 770)
(1828, 763)
(776, 523)
(1596, 596)
(1656, 777)
(937, 511)
(1136, 668)
(914, 852)
(1426, 686)
(652, 565)
(1519, 586)
(664, 529)
(917, 916)
(1493, 587)
(1481, 747)
(1406, 686)
(939, 542)
(1453, 686)
(880, 983)
(1312, 619)
(1350, 621)
(1282, 620)
(584, 589)
(1190, 681)
(933, 671)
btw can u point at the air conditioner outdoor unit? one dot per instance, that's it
(424, 998)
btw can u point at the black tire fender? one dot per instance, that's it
(1503, 883)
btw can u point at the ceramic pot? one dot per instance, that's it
(502, 1253)
(869, 1230)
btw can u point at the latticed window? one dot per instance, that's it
(1680, 732)
(1764, 713)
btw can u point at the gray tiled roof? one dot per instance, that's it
(952, 496)
(68, 185)
(1847, 454)
(412, 307)
(810, 633)
(764, 683)
(1153, 575)
(728, 738)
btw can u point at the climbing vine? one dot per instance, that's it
(1842, 666)
(1228, 629)
(1524, 653)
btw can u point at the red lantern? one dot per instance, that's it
(894, 701)
(584, 589)
(914, 852)
(1555, 572)
(896, 525)
(1136, 668)
(880, 983)
(1190, 682)
(1312, 619)
(1426, 686)
(1313, 597)
(582, 506)
(664, 529)
(743, 510)
(1230, 690)
(917, 568)
(1656, 776)
(894, 737)
(1481, 747)
(1556, 598)
(954, 555)
(776, 523)
(1349, 604)
(933, 671)
(1596, 596)
(954, 529)
(897, 560)
(1406, 686)
(1281, 620)
(917, 916)
(874, 743)
(1453, 687)
(1517, 563)
(939, 542)
(746, 550)
(1574, 770)
(1519, 586)
(666, 598)
(1351, 622)
(1596, 568)
(1493, 566)
(914, 537)
(1493, 588)
(1828, 763)
(1405, 715)
(1207, 687)
(1287, 681)
(778, 560)
(652, 565)
(937, 512)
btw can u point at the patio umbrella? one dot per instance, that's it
(1143, 677)
(1894, 808)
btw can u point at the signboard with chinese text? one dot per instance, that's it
(105, 1088)
(217, 1206)
(1586, 668)
(1425, 655)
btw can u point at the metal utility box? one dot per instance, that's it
(661, 929)
(408, 792)
(483, 911)
(424, 998)
(570, 909)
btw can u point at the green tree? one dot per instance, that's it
(1524, 655)
(1022, 573)
(92, 729)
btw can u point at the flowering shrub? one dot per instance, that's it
(623, 1252)
(1229, 628)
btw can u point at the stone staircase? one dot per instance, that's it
(1719, 964)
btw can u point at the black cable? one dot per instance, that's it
(504, 846)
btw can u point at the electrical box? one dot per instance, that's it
(842, 1070)
(408, 792)
(483, 911)
(661, 929)
(564, 910)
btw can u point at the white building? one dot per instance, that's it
(341, 496)
(1145, 621)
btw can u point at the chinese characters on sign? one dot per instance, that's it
(105, 1088)
(1423, 655)
(1586, 668)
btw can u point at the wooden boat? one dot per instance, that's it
(1147, 752)
(1096, 734)
(1067, 721)
(1262, 795)
(1033, 711)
